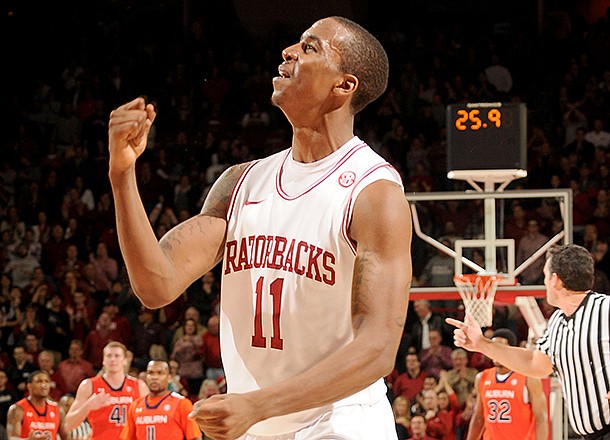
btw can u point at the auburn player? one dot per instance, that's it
(509, 405)
(35, 417)
(104, 399)
(162, 414)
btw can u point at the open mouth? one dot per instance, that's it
(283, 73)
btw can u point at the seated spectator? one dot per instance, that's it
(448, 405)
(463, 416)
(435, 425)
(30, 324)
(402, 416)
(32, 348)
(75, 369)
(210, 349)
(82, 316)
(101, 334)
(411, 382)
(46, 362)
(187, 351)
(21, 266)
(418, 428)
(418, 336)
(526, 247)
(461, 377)
(57, 334)
(72, 262)
(438, 356)
(19, 371)
(189, 313)
(123, 326)
(106, 267)
(38, 280)
(176, 383)
(146, 333)
(209, 387)
(7, 398)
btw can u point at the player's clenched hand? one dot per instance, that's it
(224, 416)
(467, 334)
(128, 130)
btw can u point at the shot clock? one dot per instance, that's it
(486, 136)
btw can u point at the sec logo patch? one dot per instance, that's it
(347, 179)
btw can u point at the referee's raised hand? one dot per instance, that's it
(467, 333)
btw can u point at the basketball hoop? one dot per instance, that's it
(478, 292)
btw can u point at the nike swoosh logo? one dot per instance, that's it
(254, 202)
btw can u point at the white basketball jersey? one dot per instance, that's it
(287, 271)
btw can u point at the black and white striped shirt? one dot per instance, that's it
(579, 347)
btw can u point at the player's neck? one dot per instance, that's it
(157, 394)
(114, 378)
(38, 402)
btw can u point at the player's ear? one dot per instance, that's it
(347, 85)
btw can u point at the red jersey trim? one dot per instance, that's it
(350, 207)
(236, 188)
(278, 181)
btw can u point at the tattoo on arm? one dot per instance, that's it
(217, 201)
(361, 287)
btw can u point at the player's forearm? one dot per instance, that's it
(345, 372)
(149, 269)
(475, 428)
(522, 360)
(75, 417)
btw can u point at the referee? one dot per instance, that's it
(576, 342)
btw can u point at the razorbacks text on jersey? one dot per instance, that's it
(288, 260)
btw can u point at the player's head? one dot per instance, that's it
(573, 265)
(39, 383)
(504, 336)
(115, 357)
(335, 59)
(158, 376)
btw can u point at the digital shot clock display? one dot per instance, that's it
(486, 136)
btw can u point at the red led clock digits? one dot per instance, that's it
(494, 116)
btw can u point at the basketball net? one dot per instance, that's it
(478, 292)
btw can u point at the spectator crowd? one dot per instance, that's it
(64, 289)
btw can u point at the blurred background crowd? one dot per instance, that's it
(207, 66)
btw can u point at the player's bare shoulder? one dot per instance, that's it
(217, 200)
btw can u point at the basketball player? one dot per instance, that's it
(35, 417)
(104, 399)
(576, 342)
(508, 404)
(161, 414)
(315, 242)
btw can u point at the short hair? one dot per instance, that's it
(364, 57)
(507, 334)
(116, 344)
(574, 265)
(77, 342)
(36, 373)
(457, 352)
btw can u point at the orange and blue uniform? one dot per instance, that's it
(162, 417)
(507, 411)
(108, 421)
(43, 420)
